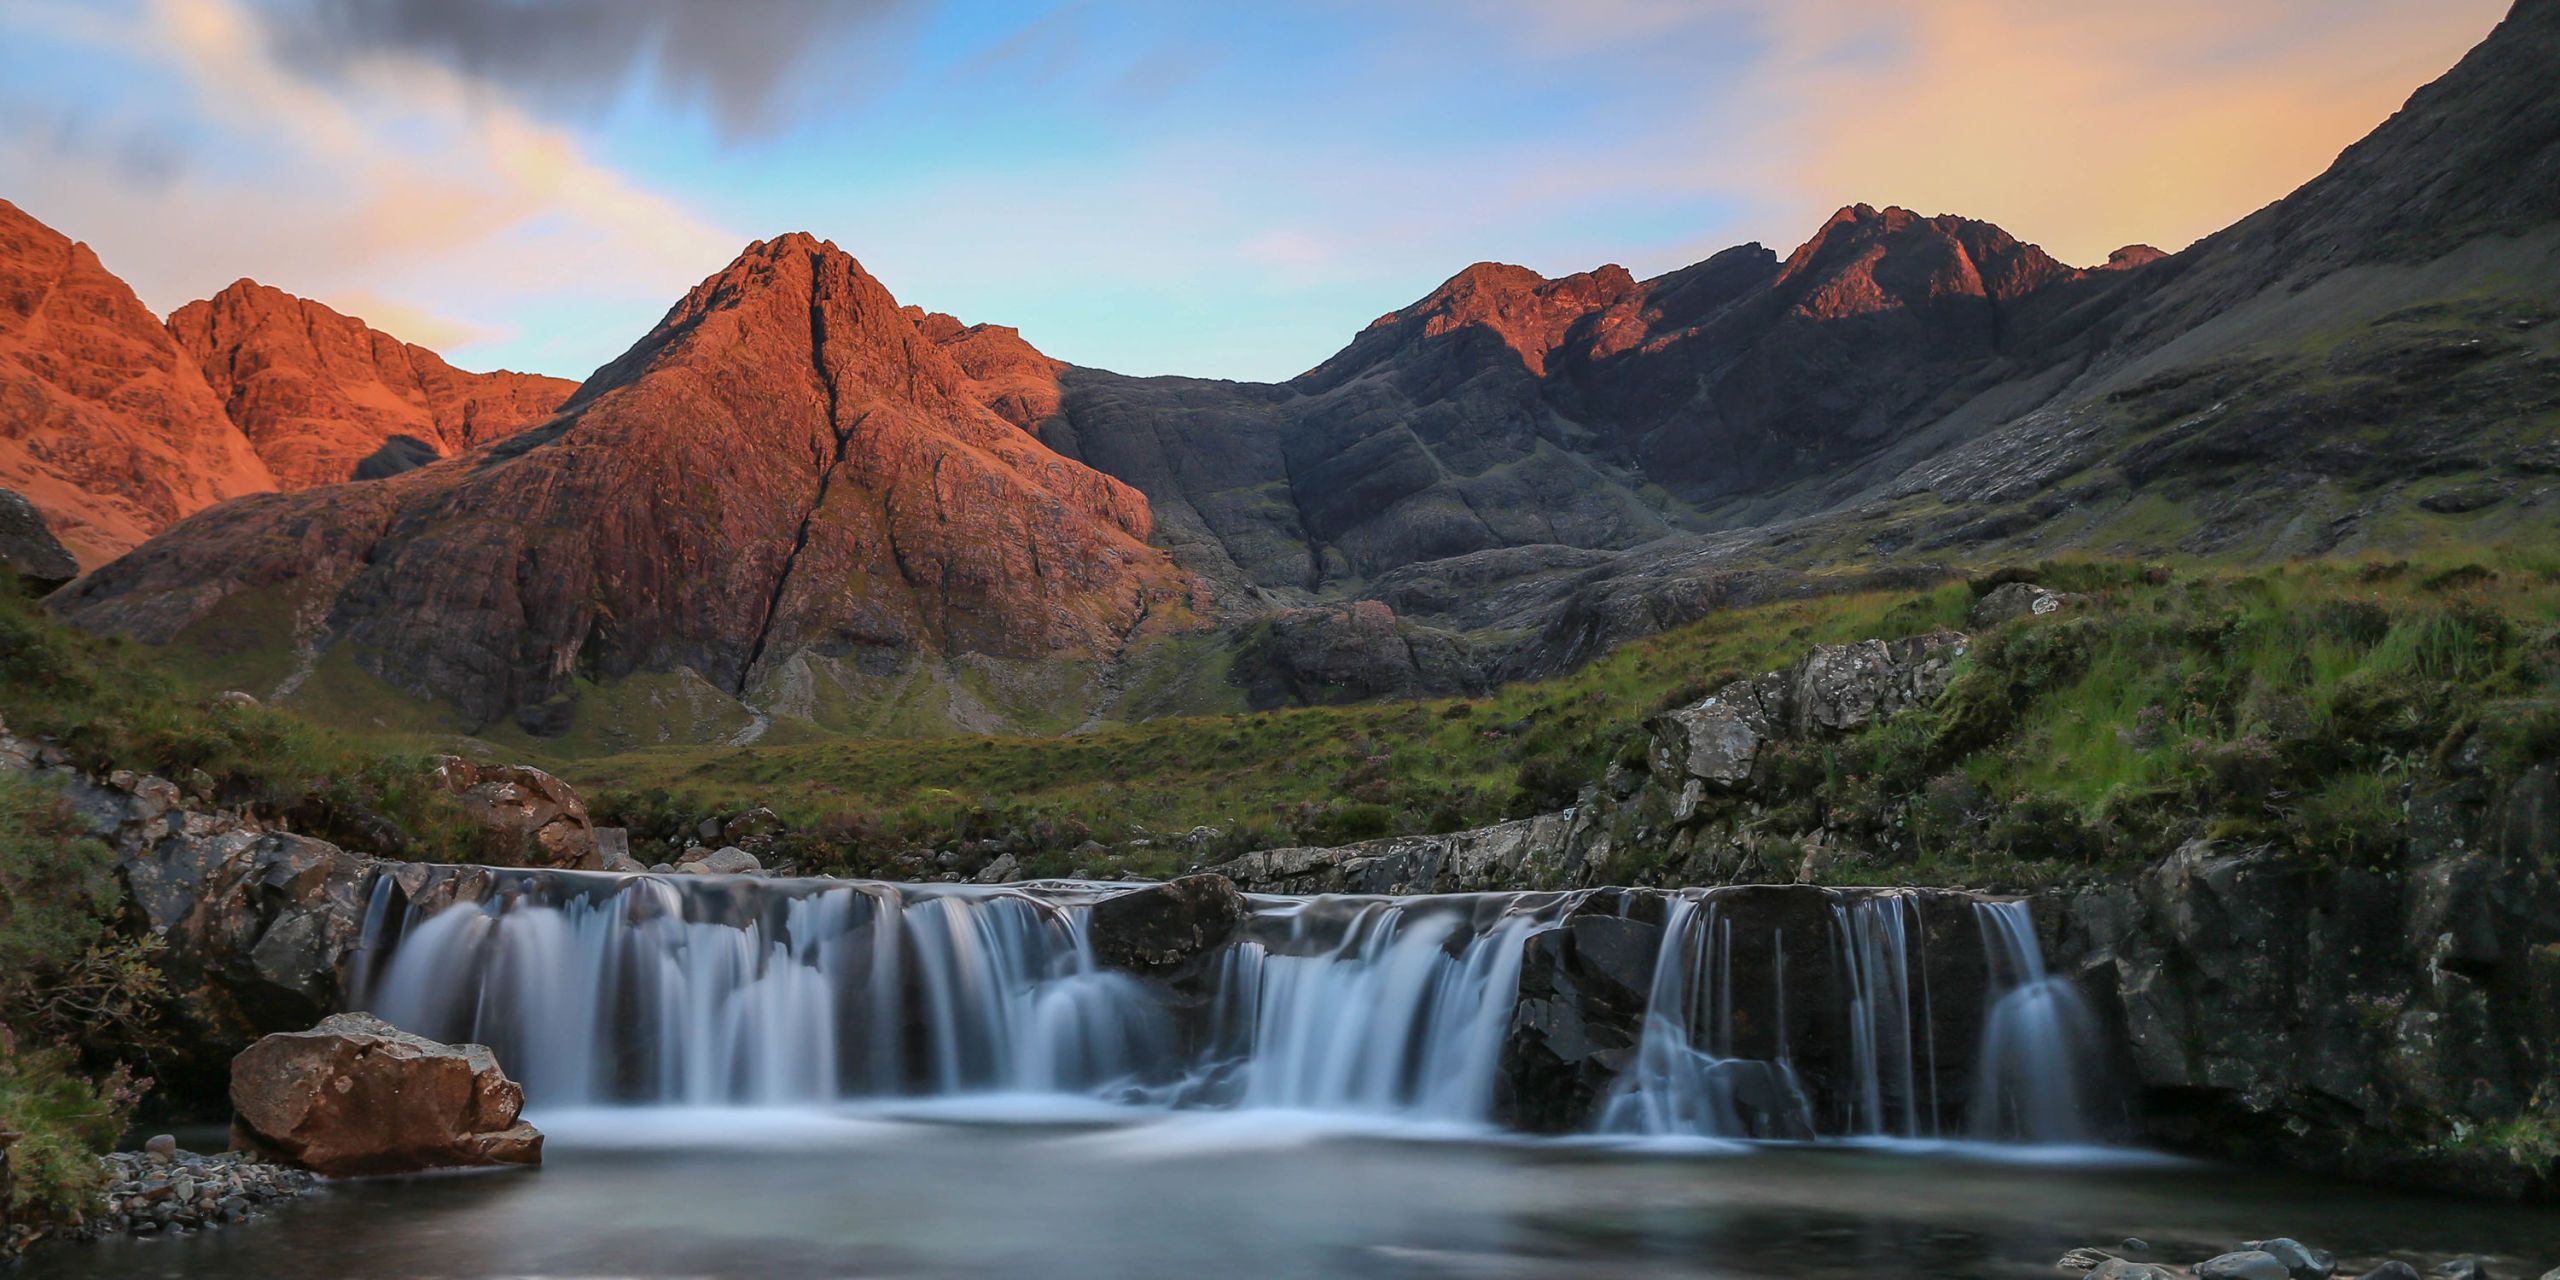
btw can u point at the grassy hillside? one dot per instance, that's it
(2276, 703)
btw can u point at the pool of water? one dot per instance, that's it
(988, 1190)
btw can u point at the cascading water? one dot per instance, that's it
(1785, 1012)
(1404, 1014)
(2031, 1082)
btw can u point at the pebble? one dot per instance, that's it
(160, 1188)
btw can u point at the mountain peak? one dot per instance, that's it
(325, 397)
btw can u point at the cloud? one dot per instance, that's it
(390, 183)
(2087, 126)
(747, 65)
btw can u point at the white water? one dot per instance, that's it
(709, 991)
(2034, 1069)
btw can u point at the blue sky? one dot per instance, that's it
(1219, 190)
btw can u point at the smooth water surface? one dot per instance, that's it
(1034, 1191)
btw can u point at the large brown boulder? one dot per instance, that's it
(538, 815)
(1164, 927)
(356, 1095)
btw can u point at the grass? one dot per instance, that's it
(1307, 775)
(109, 707)
(2290, 705)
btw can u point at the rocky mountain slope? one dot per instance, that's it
(105, 425)
(114, 425)
(323, 397)
(789, 493)
(1503, 479)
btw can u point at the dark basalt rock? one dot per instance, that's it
(1164, 928)
(28, 550)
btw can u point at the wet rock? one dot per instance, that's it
(1164, 927)
(355, 1095)
(2460, 1269)
(540, 817)
(1579, 1016)
(2301, 1261)
(163, 1147)
(2394, 1269)
(2246, 1264)
(2120, 1269)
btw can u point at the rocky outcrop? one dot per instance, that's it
(1530, 852)
(1831, 691)
(105, 425)
(1584, 988)
(2395, 1022)
(355, 1095)
(28, 550)
(532, 818)
(871, 524)
(319, 395)
(1165, 927)
(2011, 601)
(1353, 653)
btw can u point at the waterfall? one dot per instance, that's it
(2035, 1041)
(633, 990)
(1767, 1012)
(1686, 1079)
(1404, 1014)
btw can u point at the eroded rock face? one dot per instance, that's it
(1165, 927)
(355, 1095)
(318, 393)
(2357, 1018)
(540, 816)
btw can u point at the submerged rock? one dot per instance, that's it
(355, 1095)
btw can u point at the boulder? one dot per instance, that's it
(28, 550)
(2247, 1264)
(728, 860)
(538, 814)
(613, 850)
(2014, 600)
(1163, 927)
(758, 823)
(2301, 1261)
(355, 1095)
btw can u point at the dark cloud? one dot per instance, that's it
(748, 63)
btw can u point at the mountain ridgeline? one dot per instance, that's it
(797, 506)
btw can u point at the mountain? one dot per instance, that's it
(114, 425)
(106, 427)
(725, 528)
(323, 397)
(789, 494)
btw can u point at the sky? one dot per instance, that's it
(1221, 190)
